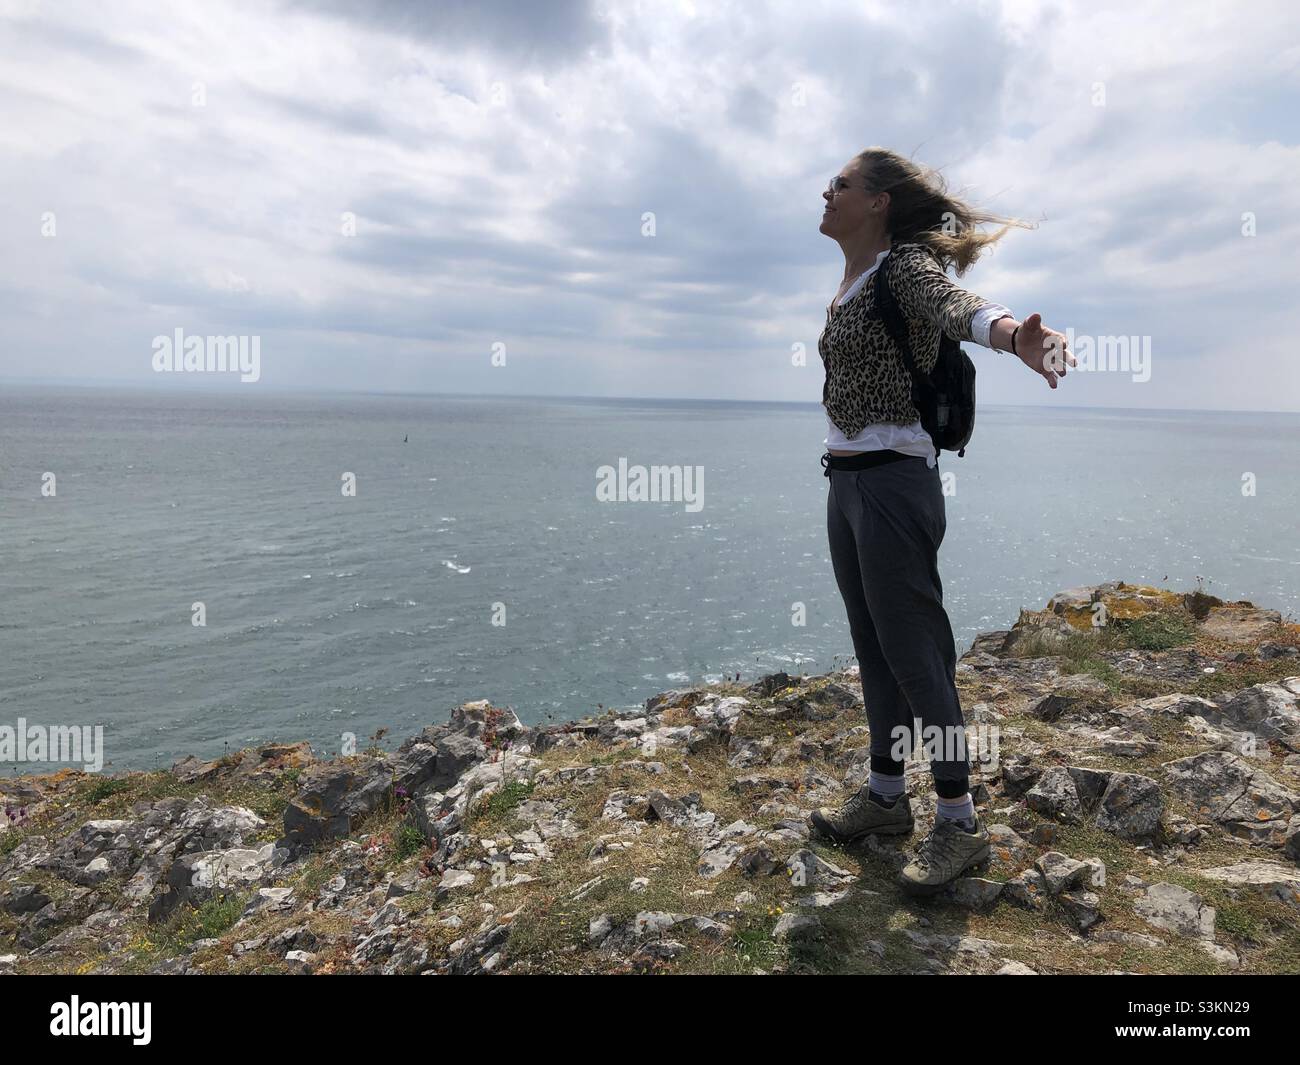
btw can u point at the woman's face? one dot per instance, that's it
(850, 205)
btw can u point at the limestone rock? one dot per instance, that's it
(1060, 871)
(974, 893)
(1270, 879)
(1271, 711)
(1239, 624)
(796, 926)
(1174, 908)
(195, 878)
(1128, 805)
(1223, 787)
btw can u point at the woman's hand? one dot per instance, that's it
(1043, 350)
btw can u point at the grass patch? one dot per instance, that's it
(11, 839)
(407, 840)
(1081, 654)
(103, 788)
(1158, 631)
(754, 946)
(211, 920)
(1281, 957)
(1236, 675)
(503, 801)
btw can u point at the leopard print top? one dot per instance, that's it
(866, 381)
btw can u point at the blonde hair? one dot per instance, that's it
(922, 211)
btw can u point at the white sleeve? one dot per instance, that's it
(983, 322)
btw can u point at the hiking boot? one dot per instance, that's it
(863, 816)
(945, 853)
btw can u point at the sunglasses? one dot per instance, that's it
(838, 184)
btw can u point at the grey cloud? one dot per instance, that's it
(84, 42)
(531, 33)
(154, 212)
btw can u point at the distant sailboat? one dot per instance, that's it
(406, 438)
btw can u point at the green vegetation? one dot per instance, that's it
(1157, 631)
(213, 918)
(407, 840)
(103, 788)
(500, 803)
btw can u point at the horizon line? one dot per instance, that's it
(99, 384)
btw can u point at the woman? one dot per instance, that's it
(885, 509)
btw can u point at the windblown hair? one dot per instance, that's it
(922, 211)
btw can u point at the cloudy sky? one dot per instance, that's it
(199, 165)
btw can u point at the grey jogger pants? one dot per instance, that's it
(885, 525)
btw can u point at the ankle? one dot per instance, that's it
(960, 809)
(885, 788)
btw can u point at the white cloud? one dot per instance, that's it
(498, 169)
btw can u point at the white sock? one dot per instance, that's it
(962, 810)
(886, 786)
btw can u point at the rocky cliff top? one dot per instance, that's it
(1134, 756)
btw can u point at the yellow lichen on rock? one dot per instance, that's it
(1120, 601)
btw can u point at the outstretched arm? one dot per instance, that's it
(924, 290)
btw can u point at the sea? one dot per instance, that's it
(200, 572)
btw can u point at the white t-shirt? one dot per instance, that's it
(907, 439)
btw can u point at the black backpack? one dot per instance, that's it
(945, 398)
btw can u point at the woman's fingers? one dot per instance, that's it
(1056, 356)
(1056, 350)
(1059, 355)
(1050, 367)
(1065, 347)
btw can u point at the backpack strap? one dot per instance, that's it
(896, 326)
(892, 316)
